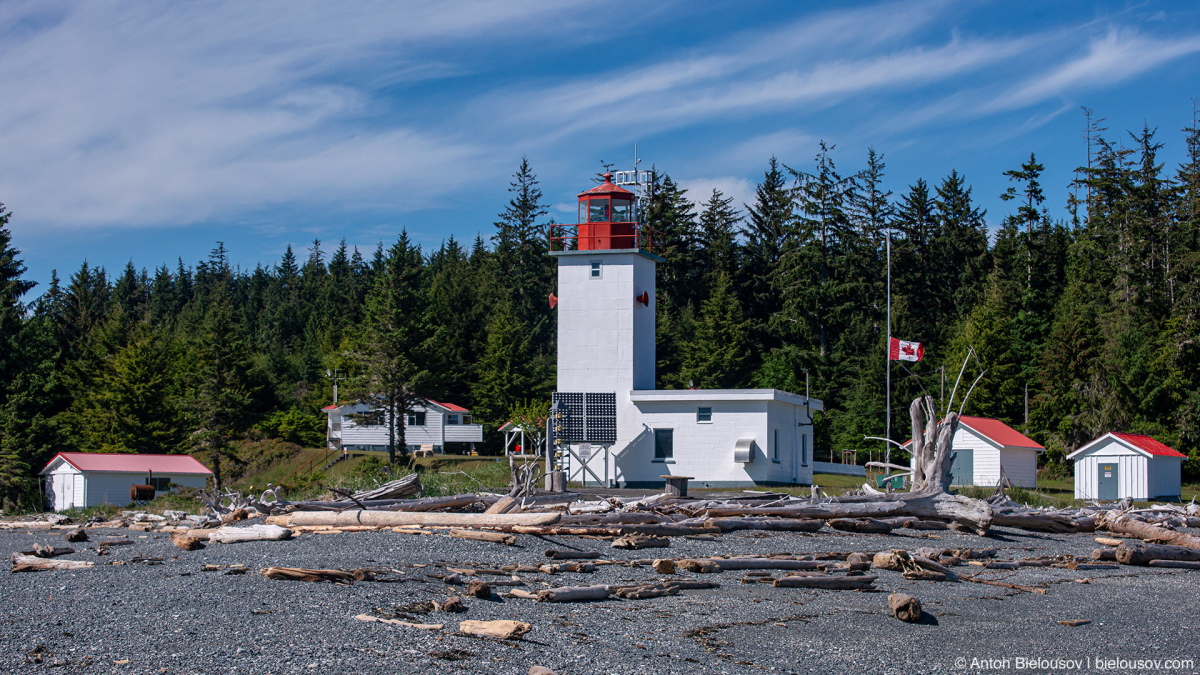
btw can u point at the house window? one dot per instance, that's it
(160, 484)
(452, 419)
(416, 419)
(804, 450)
(664, 444)
(775, 447)
(595, 270)
(704, 415)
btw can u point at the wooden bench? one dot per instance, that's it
(677, 485)
(425, 451)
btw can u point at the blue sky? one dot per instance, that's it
(149, 131)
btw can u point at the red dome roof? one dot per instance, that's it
(608, 188)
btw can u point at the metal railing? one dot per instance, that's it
(311, 464)
(567, 237)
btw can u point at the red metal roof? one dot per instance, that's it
(999, 432)
(996, 431)
(118, 462)
(607, 188)
(450, 406)
(1149, 445)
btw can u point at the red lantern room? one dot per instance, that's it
(606, 218)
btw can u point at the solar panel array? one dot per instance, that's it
(591, 417)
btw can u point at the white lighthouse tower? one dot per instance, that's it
(606, 358)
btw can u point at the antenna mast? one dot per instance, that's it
(638, 179)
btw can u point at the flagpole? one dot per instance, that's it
(888, 354)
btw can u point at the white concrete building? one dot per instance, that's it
(1116, 466)
(81, 479)
(432, 424)
(984, 445)
(606, 329)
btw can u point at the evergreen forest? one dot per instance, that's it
(1084, 323)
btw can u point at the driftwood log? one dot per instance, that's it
(503, 629)
(558, 554)
(715, 565)
(905, 607)
(394, 518)
(259, 532)
(826, 581)
(1142, 530)
(636, 542)
(495, 537)
(398, 622)
(32, 563)
(861, 525)
(574, 594)
(1131, 553)
(975, 514)
(773, 524)
(301, 574)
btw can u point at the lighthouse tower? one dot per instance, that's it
(606, 299)
(615, 428)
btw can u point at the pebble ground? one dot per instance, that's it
(172, 617)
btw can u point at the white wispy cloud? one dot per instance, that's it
(135, 113)
(1118, 56)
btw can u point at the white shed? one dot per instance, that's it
(81, 479)
(1116, 466)
(984, 446)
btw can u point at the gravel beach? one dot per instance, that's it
(124, 616)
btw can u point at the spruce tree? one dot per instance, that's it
(390, 354)
(716, 355)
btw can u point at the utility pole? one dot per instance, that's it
(1027, 408)
(888, 352)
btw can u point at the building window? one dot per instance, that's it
(451, 419)
(775, 447)
(467, 419)
(804, 450)
(664, 443)
(595, 270)
(416, 419)
(160, 484)
(704, 415)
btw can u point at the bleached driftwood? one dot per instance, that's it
(32, 563)
(574, 594)
(503, 629)
(259, 532)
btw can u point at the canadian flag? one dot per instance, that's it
(899, 350)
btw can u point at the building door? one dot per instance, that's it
(1107, 481)
(962, 469)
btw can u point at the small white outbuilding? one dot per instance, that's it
(986, 449)
(81, 479)
(1116, 466)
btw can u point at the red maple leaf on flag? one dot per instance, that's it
(908, 350)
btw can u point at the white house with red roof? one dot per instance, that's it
(1116, 466)
(432, 423)
(985, 448)
(81, 479)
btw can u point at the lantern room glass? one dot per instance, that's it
(598, 210)
(622, 211)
